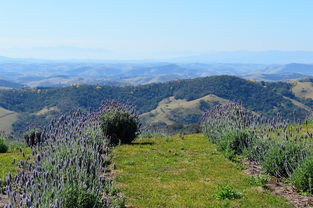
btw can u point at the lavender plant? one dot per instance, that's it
(67, 167)
(229, 126)
(277, 144)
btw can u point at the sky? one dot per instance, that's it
(146, 29)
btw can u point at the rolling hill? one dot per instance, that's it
(171, 111)
(44, 73)
(187, 94)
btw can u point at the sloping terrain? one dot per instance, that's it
(303, 88)
(7, 118)
(183, 172)
(171, 110)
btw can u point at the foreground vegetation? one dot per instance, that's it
(68, 165)
(283, 149)
(185, 171)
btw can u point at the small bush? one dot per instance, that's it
(302, 178)
(227, 192)
(119, 123)
(3, 146)
(33, 137)
(283, 157)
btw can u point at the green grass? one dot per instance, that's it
(183, 172)
(6, 161)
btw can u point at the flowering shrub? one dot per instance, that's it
(277, 144)
(229, 126)
(119, 122)
(235, 142)
(283, 157)
(67, 169)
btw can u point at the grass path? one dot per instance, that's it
(183, 172)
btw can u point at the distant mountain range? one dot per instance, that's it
(44, 73)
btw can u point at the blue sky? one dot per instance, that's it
(146, 29)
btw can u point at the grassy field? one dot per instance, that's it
(6, 161)
(7, 118)
(183, 171)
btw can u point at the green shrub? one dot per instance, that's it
(235, 142)
(33, 137)
(74, 196)
(3, 145)
(227, 192)
(120, 125)
(283, 157)
(302, 178)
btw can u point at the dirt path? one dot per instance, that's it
(277, 187)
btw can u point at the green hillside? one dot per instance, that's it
(255, 96)
(171, 111)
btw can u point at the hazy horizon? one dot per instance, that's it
(160, 30)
